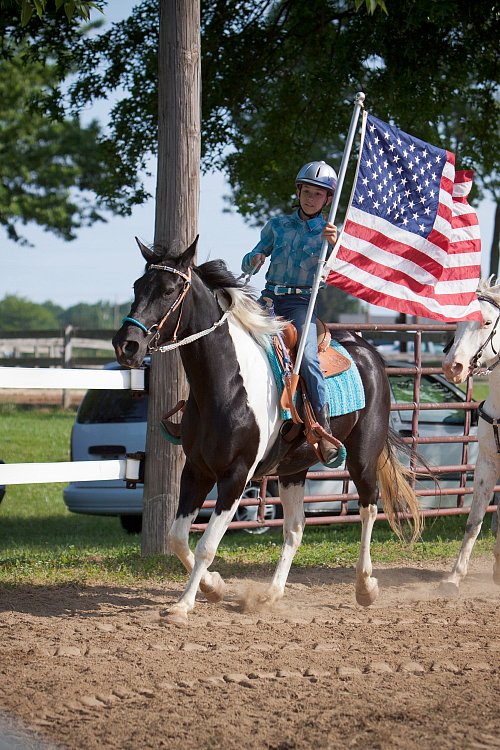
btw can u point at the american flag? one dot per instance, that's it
(410, 240)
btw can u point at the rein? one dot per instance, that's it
(474, 361)
(155, 329)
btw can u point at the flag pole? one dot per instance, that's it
(289, 392)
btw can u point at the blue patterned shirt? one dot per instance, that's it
(294, 246)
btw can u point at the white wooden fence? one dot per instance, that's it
(28, 377)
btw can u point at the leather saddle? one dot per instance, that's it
(331, 361)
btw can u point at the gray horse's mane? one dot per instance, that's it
(489, 288)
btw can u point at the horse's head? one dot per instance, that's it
(475, 348)
(156, 311)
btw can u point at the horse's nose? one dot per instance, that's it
(454, 371)
(126, 351)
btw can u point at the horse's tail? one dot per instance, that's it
(397, 495)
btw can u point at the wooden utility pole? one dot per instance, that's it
(176, 224)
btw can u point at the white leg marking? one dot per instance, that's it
(292, 500)
(179, 543)
(485, 477)
(366, 586)
(203, 557)
(496, 552)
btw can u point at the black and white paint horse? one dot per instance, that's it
(476, 349)
(232, 420)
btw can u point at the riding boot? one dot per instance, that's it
(328, 450)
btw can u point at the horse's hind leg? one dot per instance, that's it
(362, 468)
(366, 584)
(485, 477)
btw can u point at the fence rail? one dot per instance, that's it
(67, 347)
(64, 377)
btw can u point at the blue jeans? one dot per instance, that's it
(293, 307)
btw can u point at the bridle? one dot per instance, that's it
(155, 330)
(474, 367)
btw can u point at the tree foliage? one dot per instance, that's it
(279, 80)
(48, 167)
(19, 313)
(54, 170)
(73, 9)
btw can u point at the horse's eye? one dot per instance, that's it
(487, 323)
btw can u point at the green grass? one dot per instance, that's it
(41, 543)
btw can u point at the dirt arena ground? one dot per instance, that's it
(95, 667)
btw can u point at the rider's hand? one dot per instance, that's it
(330, 234)
(257, 261)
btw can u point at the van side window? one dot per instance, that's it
(107, 406)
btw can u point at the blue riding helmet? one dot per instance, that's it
(317, 173)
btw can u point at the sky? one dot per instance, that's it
(104, 261)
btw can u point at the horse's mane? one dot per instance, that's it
(235, 293)
(489, 288)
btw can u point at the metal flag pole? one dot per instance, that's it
(289, 392)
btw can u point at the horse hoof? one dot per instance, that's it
(448, 589)
(174, 617)
(215, 592)
(366, 596)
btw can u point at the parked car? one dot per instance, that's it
(111, 423)
(108, 425)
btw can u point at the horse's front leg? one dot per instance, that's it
(292, 500)
(485, 477)
(194, 488)
(228, 497)
(366, 584)
(496, 551)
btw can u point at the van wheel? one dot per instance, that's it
(131, 524)
(249, 513)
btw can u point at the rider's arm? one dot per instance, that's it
(263, 247)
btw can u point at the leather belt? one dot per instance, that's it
(288, 290)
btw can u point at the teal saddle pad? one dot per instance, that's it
(345, 390)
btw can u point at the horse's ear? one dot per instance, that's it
(147, 253)
(188, 255)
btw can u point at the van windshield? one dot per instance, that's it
(106, 406)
